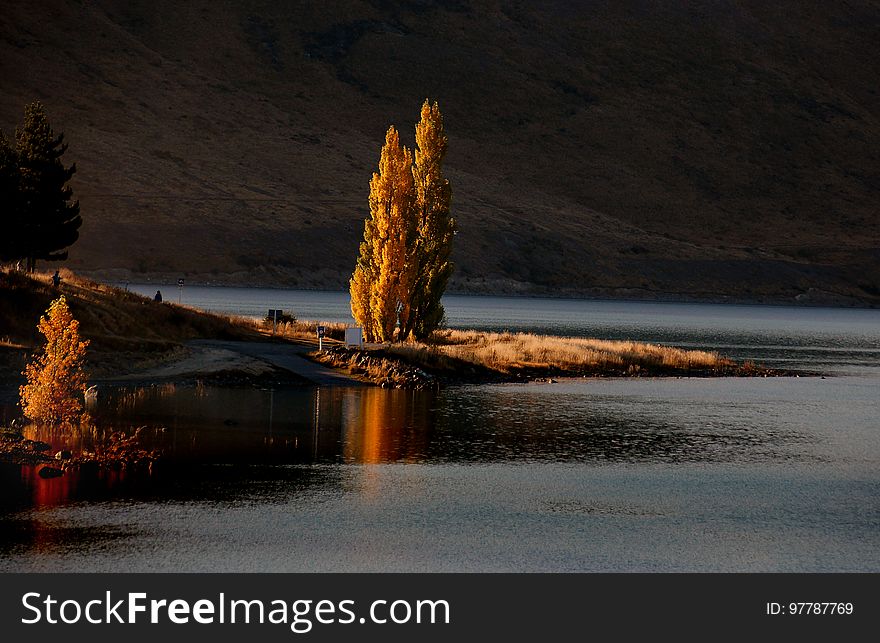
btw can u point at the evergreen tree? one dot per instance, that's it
(55, 379)
(50, 219)
(430, 254)
(376, 283)
(9, 210)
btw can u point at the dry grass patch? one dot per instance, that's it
(305, 329)
(513, 352)
(124, 328)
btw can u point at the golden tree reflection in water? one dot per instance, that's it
(382, 426)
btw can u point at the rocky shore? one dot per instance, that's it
(120, 452)
(376, 368)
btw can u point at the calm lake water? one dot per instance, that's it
(584, 475)
(825, 338)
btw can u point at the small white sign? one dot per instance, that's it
(354, 337)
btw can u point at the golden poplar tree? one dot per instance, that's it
(360, 286)
(430, 253)
(56, 379)
(376, 284)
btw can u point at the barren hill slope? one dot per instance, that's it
(654, 149)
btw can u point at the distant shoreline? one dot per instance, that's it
(807, 299)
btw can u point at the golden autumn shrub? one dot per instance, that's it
(56, 378)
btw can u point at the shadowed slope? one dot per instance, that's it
(707, 150)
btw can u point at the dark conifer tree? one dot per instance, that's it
(50, 218)
(9, 210)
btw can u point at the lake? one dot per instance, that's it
(727, 474)
(798, 337)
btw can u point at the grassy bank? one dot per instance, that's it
(126, 330)
(513, 352)
(472, 356)
(465, 356)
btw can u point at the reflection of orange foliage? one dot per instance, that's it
(56, 379)
(384, 430)
(73, 437)
(376, 428)
(53, 491)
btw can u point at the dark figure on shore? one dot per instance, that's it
(158, 297)
(56, 280)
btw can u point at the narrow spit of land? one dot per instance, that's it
(465, 357)
(136, 339)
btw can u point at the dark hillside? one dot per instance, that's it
(654, 149)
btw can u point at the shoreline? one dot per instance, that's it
(379, 368)
(813, 298)
(135, 340)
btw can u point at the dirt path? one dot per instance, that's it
(290, 357)
(208, 357)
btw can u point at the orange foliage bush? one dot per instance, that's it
(56, 379)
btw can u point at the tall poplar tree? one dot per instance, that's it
(376, 283)
(430, 253)
(50, 217)
(404, 263)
